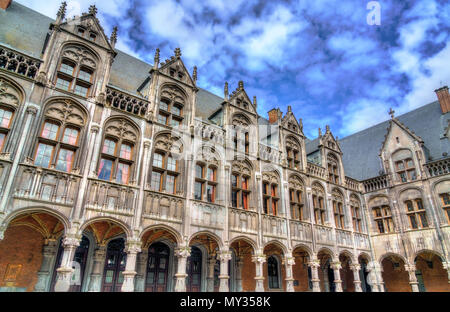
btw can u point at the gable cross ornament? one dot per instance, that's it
(391, 112)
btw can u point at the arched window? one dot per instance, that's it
(6, 116)
(445, 200)
(171, 105)
(270, 193)
(333, 171)
(241, 133)
(383, 218)
(76, 70)
(355, 208)
(205, 186)
(404, 165)
(338, 209)
(117, 155)
(10, 99)
(272, 267)
(60, 135)
(293, 153)
(166, 165)
(416, 213)
(240, 185)
(296, 198)
(318, 195)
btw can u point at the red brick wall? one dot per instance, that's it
(435, 279)
(248, 274)
(300, 274)
(395, 280)
(4, 4)
(347, 279)
(21, 245)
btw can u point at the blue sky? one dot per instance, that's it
(320, 57)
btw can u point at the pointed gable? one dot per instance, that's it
(394, 123)
(239, 98)
(175, 68)
(328, 140)
(289, 122)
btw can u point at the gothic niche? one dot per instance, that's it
(9, 94)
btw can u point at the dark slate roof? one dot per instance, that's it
(361, 150)
(207, 104)
(23, 29)
(311, 145)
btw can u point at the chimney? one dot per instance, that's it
(4, 4)
(273, 115)
(444, 99)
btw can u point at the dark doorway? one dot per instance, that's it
(114, 266)
(272, 266)
(363, 276)
(157, 268)
(331, 284)
(194, 271)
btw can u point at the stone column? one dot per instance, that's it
(259, 260)
(45, 273)
(411, 269)
(289, 262)
(315, 265)
(224, 257)
(356, 280)
(210, 279)
(130, 267)
(375, 279)
(95, 283)
(446, 266)
(64, 272)
(336, 266)
(239, 265)
(141, 270)
(182, 254)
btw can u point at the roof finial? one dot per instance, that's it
(327, 128)
(194, 74)
(177, 52)
(113, 38)
(62, 11)
(93, 10)
(391, 112)
(289, 108)
(225, 91)
(320, 132)
(156, 59)
(254, 101)
(300, 123)
(241, 84)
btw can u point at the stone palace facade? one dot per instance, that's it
(118, 175)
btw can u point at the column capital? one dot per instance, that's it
(289, 260)
(133, 247)
(314, 264)
(71, 241)
(410, 267)
(183, 252)
(336, 265)
(224, 256)
(355, 267)
(259, 258)
(147, 143)
(95, 127)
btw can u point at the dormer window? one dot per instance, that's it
(405, 170)
(81, 32)
(92, 37)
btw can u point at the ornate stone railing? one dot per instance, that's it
(46, 185)
(324, 234)
(164, 207)
(300, 230)
(361, 240)
(274, 226)
(209, 131)
(375, 184)
(19, 63)
(207, 215)
(316, 171)
(344, 238)
(126, 102)
(352, 184)
(244, 221)
(439, 167)
(269, 153)
(111, 197)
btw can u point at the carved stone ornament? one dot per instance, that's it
(9, 94)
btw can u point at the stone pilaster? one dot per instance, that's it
(446, 266)
(141, 270)
(133, 248)
(210, 278)
(239, 265)
(44, 274)
(411, 269)
(289, 262)
(259, 261)
(336, 266)
(224, 257)
(182, 254)
(315, 265)
(356, 280)
(64, 272)
(95, 282)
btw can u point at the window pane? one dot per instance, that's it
(67, 68)
(109, 147)
(65, 160)
(163, 105)
(2, 140)
(5, 118)
(234, 199)
(156, 181)
(123, 173)
(43, 155)
(403, 177)
(85, 75)
(171, 164)
(400, 165)
(409, 205)
(409, 163)
(419, 205)
(412, 175)
(211, 176)
(162, 119)
(413, 221)
(176, 110)
(234, 180)
(198, 191)
(158, 160)
(62, 84)
(175, 123)
(274, 190)
(70, 136)
(210, 193)
(380, 226)
(80, 90)
(446, 199)
(199, 171)
(105, 169)
(244, 200)
(244, 183)
(170, 184)
(50, 131)
(125, 151)
(423, 219)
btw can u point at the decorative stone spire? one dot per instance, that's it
(320, 132)
(156, 59)
(289, 108)
(241, 85)
(194, 74)
(93, 10)
(254, 101)
(178, 52)
(113, 38)
(327, 128)
(61, 12)
(225, 91)
(300, 123)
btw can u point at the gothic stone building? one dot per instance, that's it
(117, 175)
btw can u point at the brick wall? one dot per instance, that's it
(248, 274)
(395, 280)
(434, 279)
(21, 245)
(300, 274)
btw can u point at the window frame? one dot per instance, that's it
(416, 214)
